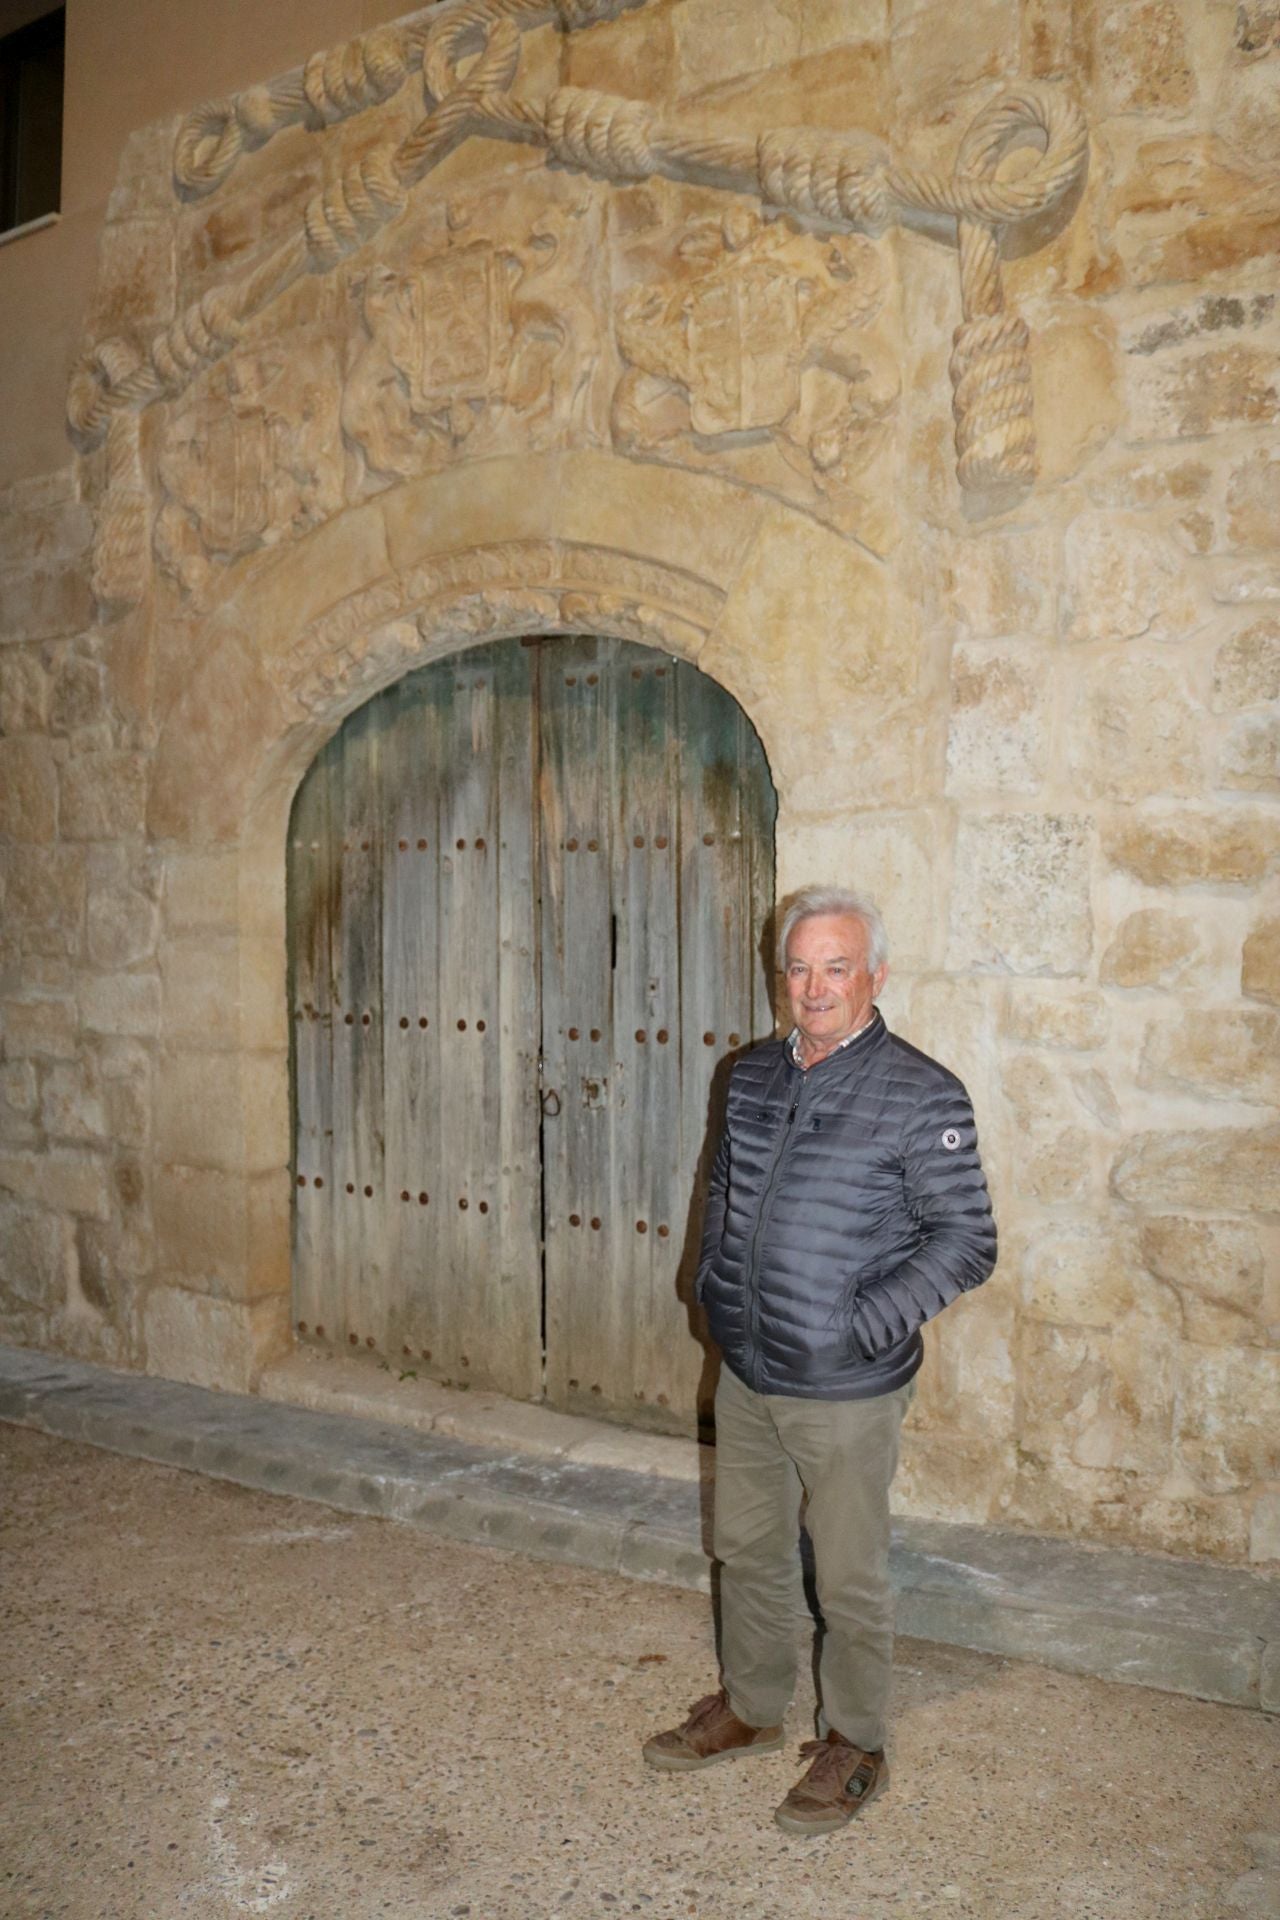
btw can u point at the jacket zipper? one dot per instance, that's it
(762, 1221)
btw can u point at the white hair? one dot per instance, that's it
(859, 906)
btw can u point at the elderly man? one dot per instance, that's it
(846, 1207)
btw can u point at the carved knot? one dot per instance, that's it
(363, 73)
(601, 134)
(991, 381)
(344, 215)
(107, 377)
(837, 176)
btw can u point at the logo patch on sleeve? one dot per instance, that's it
(950, 1139)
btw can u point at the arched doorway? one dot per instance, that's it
(526, 891)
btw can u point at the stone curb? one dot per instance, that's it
(1178, 1625)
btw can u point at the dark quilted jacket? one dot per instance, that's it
(846, 1207)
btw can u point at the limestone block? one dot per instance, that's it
(961, 1477)
(77, 695)
(1228, 1416)
(1056, 1017)
(1234, 1170)
(1264, 1529)
(200, 891)
(1186, 394)
(1142, 58)
(717, 40)
(1246, 669)
(1020, 899)
(1145, 482)
(121, 1003)
(1215, 1268)
(1122, 582)
(28, 790)
(211, 1343)
(202, 1222)
(1250, 756)
(1187, 1522)
(265, 1084)
(44, 890)
(998, 738)
(1260, 962)
(1102, 1399)
(1181, 849)
(1253, 503)
(893, 857)
(44, 536)
(41, 606)
(1006, 584)
(136, 278)
(128, 1104)
(968, 1387)
(1135, 731)
(1052, 1153)
(40, 1028)
(18, 1087)
(1150, 948)
(103, 796)
(24, 692)
(1074, 383)
(261, 987)
(199, 1116)
(72, 1106)
(37, 1257)
(122, 925)
(1245, 103)
(1236, 582)
(200, 993)
(1081, 1273)
(63, 1182)
(1227, 1053)
(937, 51)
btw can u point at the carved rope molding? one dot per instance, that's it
(840, 179)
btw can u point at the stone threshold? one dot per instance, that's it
(494, 1472)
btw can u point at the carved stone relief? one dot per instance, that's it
(250, 456)
(758, 354)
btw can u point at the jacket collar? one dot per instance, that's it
(855, 1047)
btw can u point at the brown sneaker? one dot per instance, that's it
(841, 1781)
(712, 1732)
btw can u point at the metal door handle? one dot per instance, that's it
(550, 1111)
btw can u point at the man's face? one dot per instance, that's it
(829, 990)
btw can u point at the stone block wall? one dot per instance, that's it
(1040, 721)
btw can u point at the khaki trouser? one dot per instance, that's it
(841, 1454)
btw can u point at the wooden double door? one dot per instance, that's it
(527, 891)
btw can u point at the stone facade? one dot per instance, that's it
(1028, 700)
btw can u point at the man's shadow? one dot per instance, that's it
(686, 1275)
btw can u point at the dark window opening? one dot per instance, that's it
(31, 67)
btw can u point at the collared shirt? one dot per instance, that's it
(793, 1043)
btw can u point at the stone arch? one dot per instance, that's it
(709, 571)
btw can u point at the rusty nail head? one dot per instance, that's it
(595, 1221)
(642, 1226)
(662, 1036)
(595, 1033)
(640, 1034)
(573, 1033)
(423, 1199)
(404, 1020)
(368, 1193)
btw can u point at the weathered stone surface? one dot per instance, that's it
(1253, 504)
(28, 790)
(1021, 893)
(1202, 319)
(1074, 382)
(1142, 56)
(103, 796)
(1135, 731)
(1005, 584)
(199, 1117)
(1228, 1415)
(37, 1259)
(1056, 1017)
(1246, 670)
(211, 1343)
(202, 1223)
(40, 1027)
(1264, 1529)
(889, 855)
(998, 738)
(24, 691)
(200, 992)
(1122, 583)
(1228, 1053)
(41, 606)
(77, 695)
(1250, 756)
(200, 891)
(121, 1003)
(1148, 481)
(1052, 1152)
(1260, 962)
(1150, 948)
(72, 1106)
(1215, 1268)
(1187, 393)
(44, 896)
(1176, 850)
(70, 1182)
(1081, 1273)
(1235, 1170)
(1103, 1399)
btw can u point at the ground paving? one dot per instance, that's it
(220, 1702)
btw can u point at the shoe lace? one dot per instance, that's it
(829, 1763)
